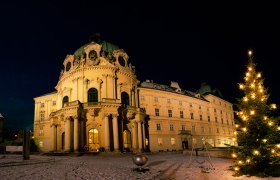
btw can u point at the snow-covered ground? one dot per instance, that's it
(161, 166)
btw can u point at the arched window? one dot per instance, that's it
(125, 99)
(92, 95)
(93, 136)
(65, 101)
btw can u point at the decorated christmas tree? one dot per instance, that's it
(258, 136)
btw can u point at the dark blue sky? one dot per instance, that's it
(189, 43)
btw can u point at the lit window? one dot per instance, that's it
(93, 136)
(180, 102)
(172, 141)
(157, 112)
(191, 115)
(181, 114)
(208, 118)
(200, 117)
(202, 129)
(160, 141)
(142, 98)
(41, 131)
(193, 129)
(158, 127)
(168, 101)
(42, 116)
(156, 99)
(41, 144)
(183, 127)
(42, 105)
(171, 127)
(169, 113)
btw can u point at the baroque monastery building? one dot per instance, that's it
(99, 105)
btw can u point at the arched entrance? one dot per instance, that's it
(93, 140)
(126, 140)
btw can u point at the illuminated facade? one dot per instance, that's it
(100, 105)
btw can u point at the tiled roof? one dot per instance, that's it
(152, 85)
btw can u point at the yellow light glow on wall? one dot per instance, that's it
(236, 168)
(240, 162)
(248, 160)
(247, 74)
(278, 128)
(244, 118)
(235, 133)
(234, 155)
(259, 75)
(272, 151)
(264, 140)
(252, 85)
(245, 99)
(241, 86)
(244, 129)
(278, 145)
(253, 96)
(265, 118)
(250, 53)
(270, 123)
(250, 69)
(246, 79)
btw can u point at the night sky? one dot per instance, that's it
(186, 42)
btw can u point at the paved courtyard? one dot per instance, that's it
(165, 165)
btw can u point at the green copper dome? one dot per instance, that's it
(106, 46)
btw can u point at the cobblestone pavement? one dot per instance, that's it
(159, 166)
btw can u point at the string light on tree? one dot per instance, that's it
(257, 134)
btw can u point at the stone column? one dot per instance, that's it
(67, 134)
(140, 140)
(52, 138)
(106, 132)
(76, 133)
(116, 132)
(134, 140)
(144, 136)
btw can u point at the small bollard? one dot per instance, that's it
(140, 160)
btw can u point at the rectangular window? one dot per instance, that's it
(142, 98)
(54, 103)
(218, 130)
(221, 112)
(183, 127)
(181, 114)
(208, 118)
(168, 101)
(202, 130)
(156, 99)
(193, 129)
(41, 131)
(159, 141)
(190, 104)
(157, 112)
(171, 127)
(42, 116)
(216, 119)
(214, 109)
(172, 141)
(42, 105)
(207, 109)
(191, 115)
(200, 117)
(222, 120)
(169, 113)
(158, 127)
(180, 103)
(199, 107)
(227, 122)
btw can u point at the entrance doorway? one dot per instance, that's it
(93, 140)
(63, 140)
(126, 140)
